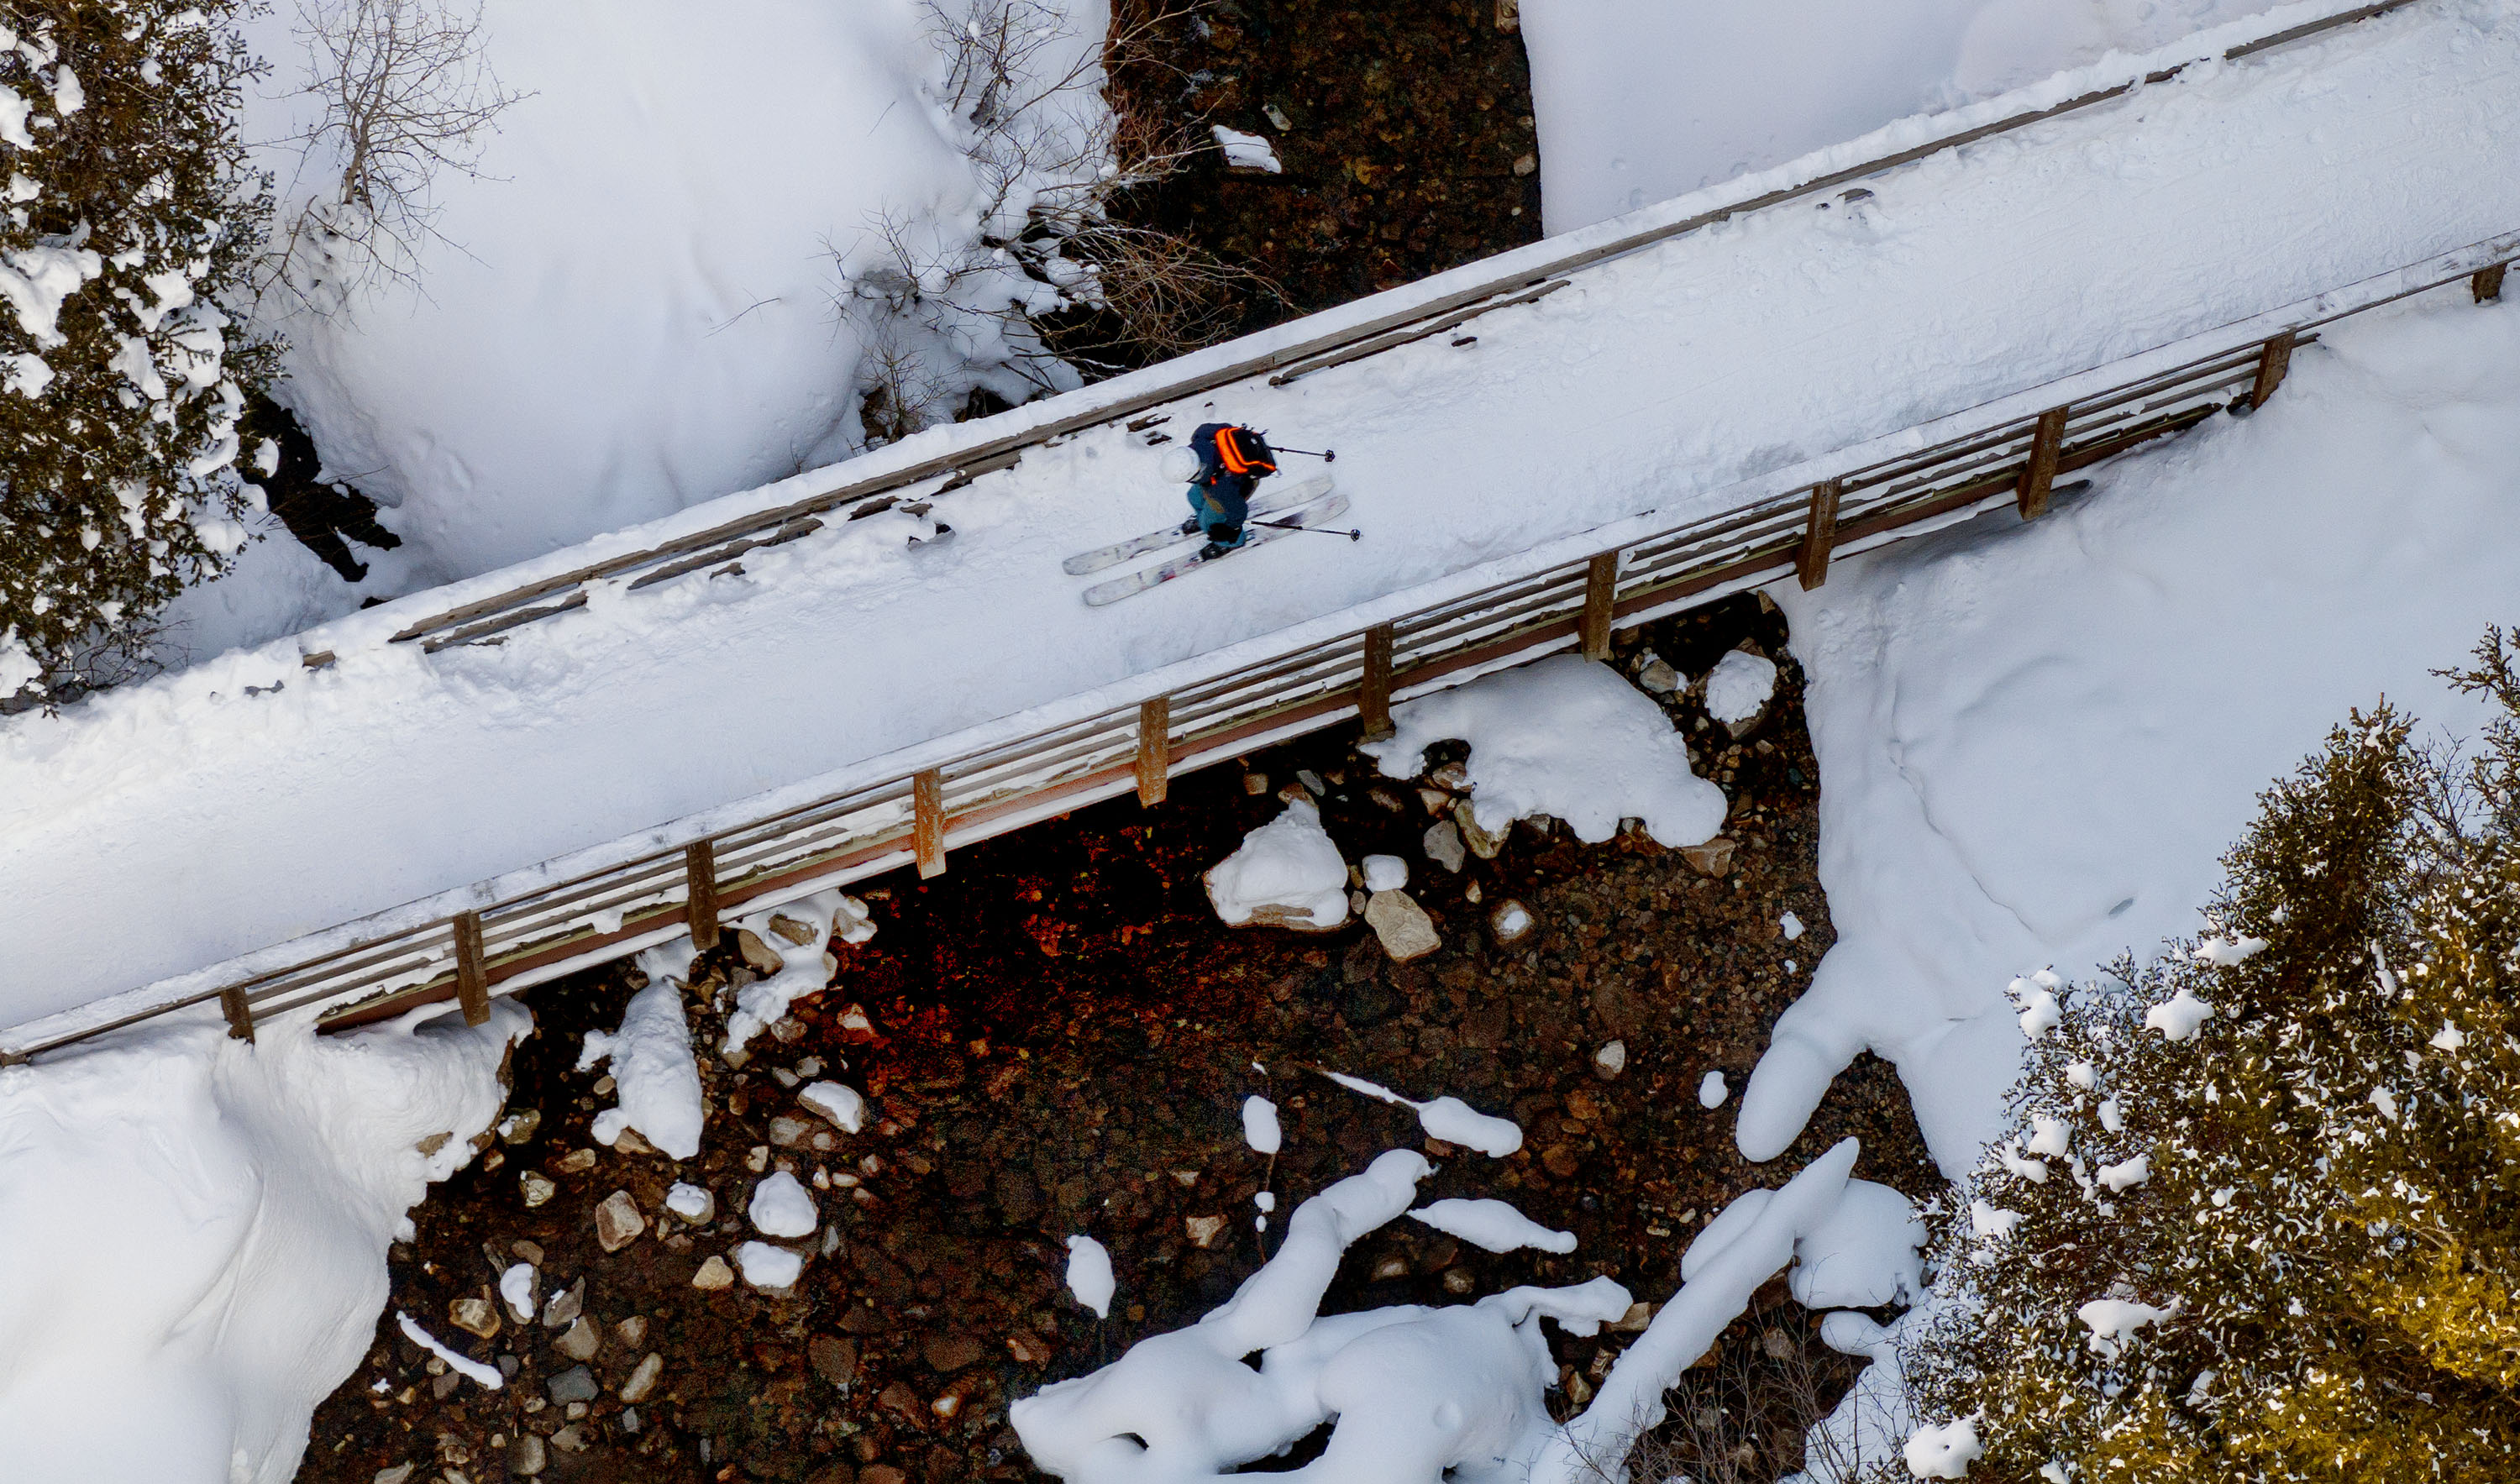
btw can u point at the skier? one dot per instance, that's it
(1231, 461)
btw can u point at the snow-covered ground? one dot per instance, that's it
(2036, 742)
(1640, 99)
(636, 303)
(1661, 379)
(193, 1232)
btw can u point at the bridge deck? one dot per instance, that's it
(249, 800)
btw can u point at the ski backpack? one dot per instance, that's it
(1243, 451)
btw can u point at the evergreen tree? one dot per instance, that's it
(2258, 1217)
(129, 213)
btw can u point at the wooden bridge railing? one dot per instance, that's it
(2011, 451)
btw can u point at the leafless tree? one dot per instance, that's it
(405, 94)
(1050, 159)
(1747, 1416)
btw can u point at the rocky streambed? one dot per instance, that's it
(1055, 1038)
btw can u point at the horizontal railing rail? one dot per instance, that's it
(1571, 594)
(1527, 278)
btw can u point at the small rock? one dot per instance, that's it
(400, 1474)
(1457, 1280)
(632, 1331)
(530, 1251)
(536, 1186)
(582, 1341)
(694, 1204)
(618, 1222)
(1029, 1349)
(1511, 922)
(575, 1384)
(1401, 924)
(1384, 872)
(642, 1379)
(631, 1141)
(604, 1085)
(1454, 776)
(1777, 1344)
(713, 1275)
(758, 955)
(1560, 1161)
(519, 1127)
(1436, 800)
(1255, 784)
(1203, 1230)
(434, 1143)
(834, 1357)
(788, 1133)
(1312, 782)
(1634, 1321)
(1610, 1061)
(1394, 1265)
(881, 1473)
(576, 1162)
(525, 1455)
(1714, 858)
(1529, 164)
(788, 1030)
(1579, 1387)
(563, 1309)
(473, 1316)
(1658, 677)
(800, 933)
(1443, 846)
(949, 1353)
(1475, 835)
(569, 1439)
(902, 1401)
(757, 1158)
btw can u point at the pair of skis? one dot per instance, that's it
(1304, 506)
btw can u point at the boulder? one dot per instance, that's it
(1404, 927)
(1443, 846)
(618, 1222)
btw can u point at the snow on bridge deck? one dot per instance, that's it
(246, 801)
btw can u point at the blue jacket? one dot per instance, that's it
(1227, 495)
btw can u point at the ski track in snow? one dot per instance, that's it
(1670, 374)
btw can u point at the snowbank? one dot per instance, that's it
(2036, 742)
(1567, 738)
(1640, 99)
(658, 1079)
(634, 307)
(1287, 873)
(194, 1233)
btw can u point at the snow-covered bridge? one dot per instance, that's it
(463, 789)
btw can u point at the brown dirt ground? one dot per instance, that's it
(1061, 1036)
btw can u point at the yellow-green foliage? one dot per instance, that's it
(2315, 1272)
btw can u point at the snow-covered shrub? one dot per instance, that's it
(952, 314)
(2255, 1216)
(129, 214)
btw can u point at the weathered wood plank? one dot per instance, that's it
(1601, 597)
(1155, 750)
(1374, 693)
(928, 822)
(1821, 536)
(2272, 362)
(471, 978)
(699, 893)
(240, 1012)
(2041, 477)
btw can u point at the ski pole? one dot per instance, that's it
(1317, 530)
(1330, 456)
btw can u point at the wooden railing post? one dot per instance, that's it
(2487, 284)
(2272, 362)
(927, 821)
(240, 1012)
(2041, 477)
(1600, 591)
(1155, 750)
(1374, 693)
(472, 974)
(699, 894)
(1820, 536)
